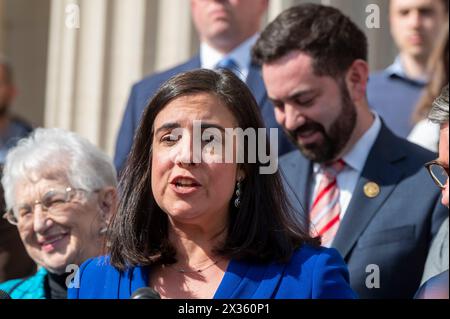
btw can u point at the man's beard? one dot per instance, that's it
(336, 139)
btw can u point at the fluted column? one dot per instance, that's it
(91, 68)
(175, 31)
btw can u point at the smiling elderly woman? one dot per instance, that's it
(194, 225)
(60, 191)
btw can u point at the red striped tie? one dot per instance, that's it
(326, 209)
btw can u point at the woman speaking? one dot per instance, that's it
(194, 225)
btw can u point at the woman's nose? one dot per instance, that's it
(41, 219)
(188, 151)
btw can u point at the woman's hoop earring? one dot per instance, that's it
(237, 201)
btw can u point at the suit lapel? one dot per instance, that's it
(256, 84)
(379, 168)
(297, 171)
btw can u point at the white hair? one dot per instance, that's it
(439, 112)
(57, 153)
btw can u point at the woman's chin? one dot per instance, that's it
(58, 268)
(182, 208)
(58, 263)
(184, 215)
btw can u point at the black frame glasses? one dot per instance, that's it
(438, 173)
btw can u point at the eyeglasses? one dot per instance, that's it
(52, 202)
(438, 173)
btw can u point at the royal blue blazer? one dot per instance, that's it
(311, 273)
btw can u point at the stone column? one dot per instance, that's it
(92, 68)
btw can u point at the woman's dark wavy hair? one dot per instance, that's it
(264, 228)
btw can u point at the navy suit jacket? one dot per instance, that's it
(391, 232)
(143, 91)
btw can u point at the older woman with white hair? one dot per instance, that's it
(60, 191)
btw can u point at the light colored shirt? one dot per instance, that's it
(397, 69)
(241, 55)
(426, 134)
(355, 160)
(394, 96)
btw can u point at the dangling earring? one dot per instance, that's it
(237, 201)
(103, 230)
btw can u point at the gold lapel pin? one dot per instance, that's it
(371, 189)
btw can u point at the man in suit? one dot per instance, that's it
(227, 30)
(438, 256)
(365, 190)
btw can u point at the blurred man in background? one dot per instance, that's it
(12, 128)
(227, 30)
(394, 92)
(14, 261)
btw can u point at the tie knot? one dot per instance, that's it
(334, 168)
(230, 64)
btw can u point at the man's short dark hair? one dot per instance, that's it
(324, 33)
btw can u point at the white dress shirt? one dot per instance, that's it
(355, 160)
(241, 55)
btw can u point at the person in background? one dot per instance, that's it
(394, 92)
(14, 261)
(435, 276)
(227, 30)
(60, 193)
(351, 173)
(12, 128)
(425, 133)
(194, 225)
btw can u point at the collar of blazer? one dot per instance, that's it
(383, 166)
(256, 84)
